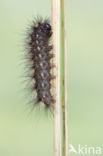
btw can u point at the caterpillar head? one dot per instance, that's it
(45, 28)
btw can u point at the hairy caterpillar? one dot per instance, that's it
(40, 58)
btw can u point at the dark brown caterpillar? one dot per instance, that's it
(40, 56)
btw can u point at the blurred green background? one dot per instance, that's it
(23, 133)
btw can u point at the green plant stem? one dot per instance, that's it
(62, 77)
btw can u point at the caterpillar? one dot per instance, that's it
(39, 53)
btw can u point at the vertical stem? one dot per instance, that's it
(66, 81)
(60, 108)
(62, 76)
(56, 71)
